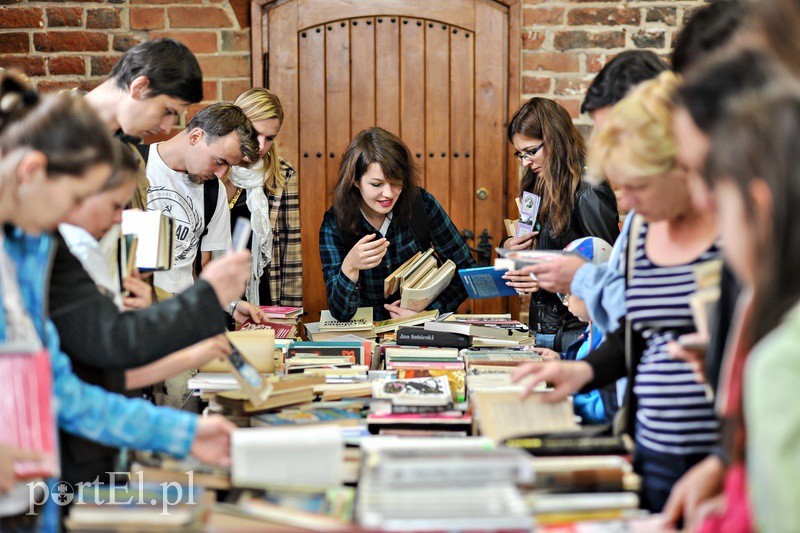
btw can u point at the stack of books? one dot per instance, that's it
(391, 325)
(284, 320)
(429, 362)
(361, 325)
(485, 330)
(419, 280)
(286, 391)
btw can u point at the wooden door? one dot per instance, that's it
(434, 72)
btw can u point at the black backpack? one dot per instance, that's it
(210, 197)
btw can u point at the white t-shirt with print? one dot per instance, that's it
(175, 195)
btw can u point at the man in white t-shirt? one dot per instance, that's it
(218, 137)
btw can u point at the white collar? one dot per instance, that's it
(384, 226)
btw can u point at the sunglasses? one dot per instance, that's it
(528, 153)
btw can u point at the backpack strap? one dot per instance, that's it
(419, 223)
(144, 151)
(210, 197)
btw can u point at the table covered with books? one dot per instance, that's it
(410, 424)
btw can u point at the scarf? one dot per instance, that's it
(252, 180)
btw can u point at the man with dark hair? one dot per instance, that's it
(710, 28)
(215, 139)
(626, 70)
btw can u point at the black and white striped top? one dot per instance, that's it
(673, 416)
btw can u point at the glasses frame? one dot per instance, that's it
(528, 153)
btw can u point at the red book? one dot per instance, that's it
(277, 311)
(282, 331)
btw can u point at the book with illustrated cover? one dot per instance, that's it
(528, 211)
(277, 311)
(282, 331)
(485, 282)
(432, 391)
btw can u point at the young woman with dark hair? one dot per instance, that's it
(377, 193)
(553, 156)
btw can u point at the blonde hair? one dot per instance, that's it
(637, 134)
(260, 104)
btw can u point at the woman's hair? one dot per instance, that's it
(126, 168)
(637, 133)
(374, 145)
(62, 126)
(759, 138)
(260, 104)
(565, 153)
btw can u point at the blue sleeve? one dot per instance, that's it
(342, 292)
(112, 419)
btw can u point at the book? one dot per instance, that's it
(576, 444)
(419, 296)
(127, 256)
(528, 211)
(301, 417)
(523, 258)
(485, 282)
(157, 468)
(393, 324)
(433, 391)
(358, 352)
(503, 415)
(511, 227)
(239, 404)
(257, 346)
(398, 353)
(277, 311)
(419, 336)
(282, 331)
(360, 321)
(155, 233)
(477, 330)
(314, 333)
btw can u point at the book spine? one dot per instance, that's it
(420, 409)
(571, 446)
(418, 337)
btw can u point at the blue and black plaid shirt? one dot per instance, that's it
(344, 296)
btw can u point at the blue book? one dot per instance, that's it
(485, 282)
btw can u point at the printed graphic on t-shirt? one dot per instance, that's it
(188, 222)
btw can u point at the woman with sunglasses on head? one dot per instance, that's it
(552, 153)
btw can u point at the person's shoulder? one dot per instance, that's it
(428, 200)
(329, 219)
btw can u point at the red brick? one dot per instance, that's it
(199, 42)
(21, 17)
(241, 10)
(667, 15)
(161, 2)
(542, 15)
(49, 86)
(572, 86)
(531, 85)
(63, 66)
(532, 40)
(124, 42)
(595, 62)
(198, 17)
(210, 92)
(103, 18)
(570, 40)
(15, 43)
(235, 41)
(147, 18)
(573, 106)
(233, 88)
(102, 65)
(64, 16)
(30, 66)
(603, 16)
(225, 66)
(70, 41)
(193, 109)
(649, 39)
(159, 137)
(557, 62)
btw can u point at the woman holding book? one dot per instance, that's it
(379, 219)
(267, 194)
(552, 153)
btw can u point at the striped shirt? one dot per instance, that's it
(674, 415)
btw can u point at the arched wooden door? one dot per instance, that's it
(435, 72)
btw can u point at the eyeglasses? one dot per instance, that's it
(528, 153)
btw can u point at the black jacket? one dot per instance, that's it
(103, 342)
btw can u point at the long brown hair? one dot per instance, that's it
(565, 153)
(374, 145)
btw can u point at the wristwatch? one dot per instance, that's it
(232, 307)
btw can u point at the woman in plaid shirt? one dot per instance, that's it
(367, 233)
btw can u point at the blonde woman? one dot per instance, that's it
(669, 415)
(267, 194)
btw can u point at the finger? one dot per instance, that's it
(391, 308)
(382, 242)
(366, 238)
(524, 370)
(673, 508)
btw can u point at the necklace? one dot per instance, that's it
(233, 200)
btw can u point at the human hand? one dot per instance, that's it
(217, 347)
(694, 357)
(8, 456)
(697, 485)
(247, 311)
(140, 293)
(212, 440)
(228, 276)
(395, 311)
(521, 243)
(556, 275)
(567, 377)
(367, 253)
(522, 282)
(547, 354)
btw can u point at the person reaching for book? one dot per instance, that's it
(379, 219)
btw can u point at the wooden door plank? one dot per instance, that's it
(282, 35)
(387, 73)
(437, 111)
(412, 90)
(337, 95)
(362, 74)
(456, 12)
(462, 103)
(312, 164)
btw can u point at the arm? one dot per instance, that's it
(186, 359)
(341, 290)
(288, 232)
(608, 360)
(205, 257)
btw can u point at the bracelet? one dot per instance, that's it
(233, 305)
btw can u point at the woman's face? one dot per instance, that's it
(739, 233)
(659, 197)
(529, 151)
(102, 210)
(45, 201)
(378, 195)
(267, 131)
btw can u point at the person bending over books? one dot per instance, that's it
(553, 154)
(379, 219)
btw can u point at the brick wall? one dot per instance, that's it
(75, 43)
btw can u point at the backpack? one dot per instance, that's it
(210, 197)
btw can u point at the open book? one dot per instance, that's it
(419, 280)
(155, 233)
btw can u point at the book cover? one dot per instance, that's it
(416, 391)
(485, 282)
(528, 211)
(277, 311)
(282, 331)
(419, 336)
(362, 320)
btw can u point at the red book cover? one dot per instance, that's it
(277, 311)
(282, 331)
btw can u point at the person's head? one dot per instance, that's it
(755, 168)
(596, 251)
(98, 213)
(264, 110)
(710, 28)
(158, 79)
(635, 149)
(376, 175)
(61, 150)
(626, 70)
(553, 154)
(779, 25)
(700, 103)
(217, 138)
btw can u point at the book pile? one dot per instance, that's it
(484, 330)
(429, 362)
(419, 280)
(361, 325)
(441, 485)
(391, 325)
(286, 391)
(160, 468)
(283, 320)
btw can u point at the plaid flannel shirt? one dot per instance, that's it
(286, 267)
(345, 296)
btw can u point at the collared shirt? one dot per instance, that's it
(345, 296)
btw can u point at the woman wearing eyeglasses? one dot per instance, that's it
(553, 156)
